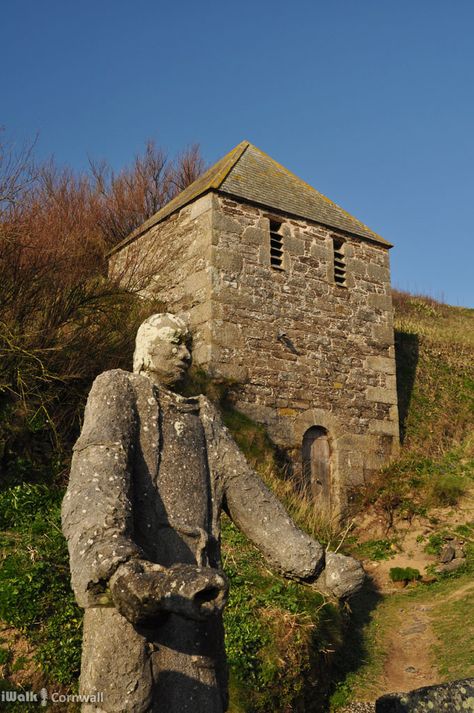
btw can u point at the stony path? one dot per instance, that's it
(409, 662)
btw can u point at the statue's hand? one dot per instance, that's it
(142, 590)
(342, 576)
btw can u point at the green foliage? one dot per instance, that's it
(5, 656)
(404, 574)
(447, 488)
(465, 530)
(251, 437)
(275, 632)
(374, 550)
(435, 544)
(454, 650)
(34, 578)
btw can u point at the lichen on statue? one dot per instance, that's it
(150, 476)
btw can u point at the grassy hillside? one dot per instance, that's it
(421, 502)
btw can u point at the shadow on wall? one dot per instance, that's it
(406, 356)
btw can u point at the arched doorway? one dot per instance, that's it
(316, 456)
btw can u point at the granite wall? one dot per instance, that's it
(305, 350)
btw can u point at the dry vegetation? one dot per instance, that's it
(62, 321)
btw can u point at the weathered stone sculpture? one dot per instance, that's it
(150, 475)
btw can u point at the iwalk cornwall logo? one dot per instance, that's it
(44, 697)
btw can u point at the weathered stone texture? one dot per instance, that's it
(337, 351)
(172, 263)
(452, 697)
(294, 339)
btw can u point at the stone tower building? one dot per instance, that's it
(290, 296)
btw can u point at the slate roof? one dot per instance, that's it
(250, 174)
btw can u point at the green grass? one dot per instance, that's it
(404, 574)
(435, 471)
(375, 550)
(455, 652)
(35, 595)
(284, 646)
(276, 633)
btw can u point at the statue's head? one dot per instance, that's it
(161, 349)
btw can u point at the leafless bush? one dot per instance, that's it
(133, 195)
(62, 320)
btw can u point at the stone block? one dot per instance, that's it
(227, 334)
(225, 224)
(393, 413)
(449, 697)
(197, 281)
(380, 364)
(357, 267)
(391, 382)
(201, 205)
(293, 245)
(381, 395)
(228, 261)
(230, 371)
(201, 354)
(319, 250)
(385, 427)
(378, 273)
(254, 236)
(382, 302)
(288, 412)
(383, 335)
(199, 314)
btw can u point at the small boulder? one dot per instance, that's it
(447, 554)
(453, 696)
(450, 566)
(429, 579)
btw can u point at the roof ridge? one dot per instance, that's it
(312, 188)
(240, 149)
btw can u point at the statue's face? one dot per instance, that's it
(168, 356)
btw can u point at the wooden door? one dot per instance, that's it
(317, 466)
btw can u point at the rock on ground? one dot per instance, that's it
(444, 698)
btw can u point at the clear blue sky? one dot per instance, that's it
(369, 101)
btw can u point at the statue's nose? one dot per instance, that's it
(184, 353)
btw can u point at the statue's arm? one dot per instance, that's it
(97, 510)
(254, 508)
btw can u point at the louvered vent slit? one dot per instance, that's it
(276, 246)
(339, 263)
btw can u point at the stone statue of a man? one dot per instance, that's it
(151, 473)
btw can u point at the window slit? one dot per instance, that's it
(276, 245)
(339, 263)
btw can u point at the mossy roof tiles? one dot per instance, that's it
(250, 174)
